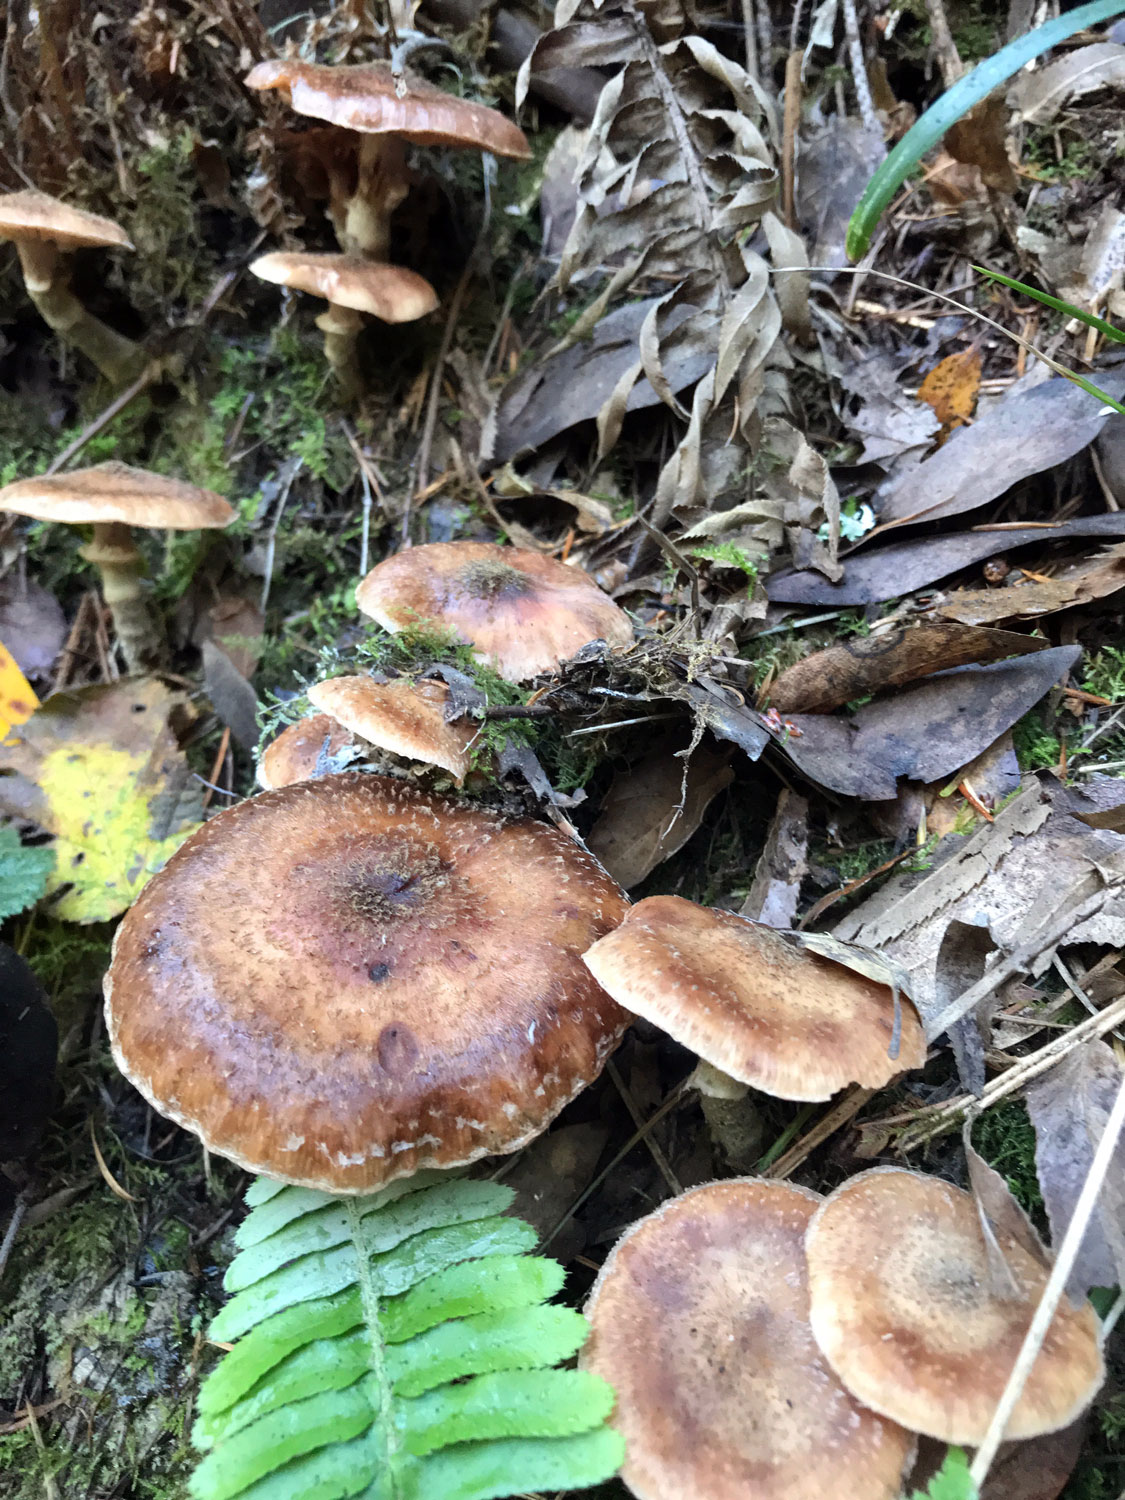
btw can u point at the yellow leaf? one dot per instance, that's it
(951, 389)
(17, 697)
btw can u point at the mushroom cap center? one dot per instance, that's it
(489, 578)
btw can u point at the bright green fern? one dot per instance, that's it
(396, 1347)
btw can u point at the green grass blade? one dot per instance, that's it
(1117, 335)
(928, 130)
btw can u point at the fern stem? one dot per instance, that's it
(369, 1296)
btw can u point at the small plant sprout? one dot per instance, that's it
(113, 498)
(43, 231)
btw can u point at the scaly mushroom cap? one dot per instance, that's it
(345, 980)
(905, 1311)
(297, 751)
(365, 97)
(391, 293)
(521, 612)
(748, 1000)
(116, 492)
(29, 215)
(405, 718)
(700, 1321)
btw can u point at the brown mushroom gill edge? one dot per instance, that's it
(345, 980)
(521, 612)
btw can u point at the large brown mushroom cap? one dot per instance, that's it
(904, 1307)
(521, 612)
(749, 1001)
(391, 293)
(345, 980)
(365, 97)
(699, 1320)
(405, 718)
(29, 215)
(296, 752)
(116, 492)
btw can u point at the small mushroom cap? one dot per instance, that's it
(343, 981)
(745, 998)
(298, 751)
(29, 215)
(365, 97)
(905, 1312)
(521, 612)
(406, 718)
(699, 1320)
(391, 293)
(116, 492)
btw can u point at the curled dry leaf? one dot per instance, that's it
(1078, 583)
(1040, 95)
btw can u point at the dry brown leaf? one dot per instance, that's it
(1038, 96)
(951, 389)
(775, 891)
(978, 140)
(1080, 583)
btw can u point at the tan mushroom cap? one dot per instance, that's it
(699, 1320)
(391, 293)
(116, 492)
(343, 981)
(903, 1308)
(520, 611)
(29, 215)
(745, 998)
(365, 97)
(295, 754)
(406, 718)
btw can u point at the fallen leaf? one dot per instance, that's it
(17, 697)
(1036, 1468)
(890, 422)
(232, 697)
(29, 1041)
(927, 731)
(1079, 583)
(1039, 96)
(951, 389)
(24, 872)
(237, 625)
(101, 769)
(1069, 1106)
(979, 139)
(652, 810)
(32, 625)
(869, 664)
(961, 960)
(1001, 1219)
(775, 891)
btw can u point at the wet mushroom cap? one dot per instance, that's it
(404, 718)
(749, 1001)
(365, 97)
(699, 1320)
(904, 1309)
(116, 492)
(521, 612)
(29, 215)
(391, 293)
(298, 750)
(343, 981)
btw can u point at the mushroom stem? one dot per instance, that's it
(733, 1119)
(341, 327)
(361, 216)
(47, 279)
(121, 568)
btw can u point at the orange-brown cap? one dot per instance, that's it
(904, 1308)
(116, 492)
(366, 97)
(345, 980)
(29, 215)
(299, 749)
(406, 718)
(391, 293)
(750, 1001)
(521, 612)
(700, 1322)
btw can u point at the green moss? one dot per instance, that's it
(1105, 674)
(1005, 1137)
(1037, 748)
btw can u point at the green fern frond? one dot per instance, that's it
(396, 1347)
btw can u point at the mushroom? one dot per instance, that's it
(405, 718)
(43, 230)
(302, 750)
(905, 1308)
(113, 497)
(700, 1321)
(351, 286)
(384, 110)
(521, 612)
(346, 980)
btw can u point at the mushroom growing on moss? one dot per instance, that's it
(43, 230)
(113, 498)
(405, 718)
(303, 750)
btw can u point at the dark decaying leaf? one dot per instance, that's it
(889, 571)
(775, 891)
(961, 960)
(1000, 1218)
(928, 730)
(1038, 96)
(29, 1040)
(1069, 1107)
(869, 664)
(32, 625)
(232, 697)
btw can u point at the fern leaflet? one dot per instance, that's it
(396, 1347)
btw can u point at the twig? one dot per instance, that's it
(292, 469)
(790, 119)
(859, 69)
(1053, 1291)
(370, 482)
(662, 1163)
(848, 1107)
(12, 1230)
(147, 377)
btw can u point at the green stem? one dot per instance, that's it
(121, 568)
(48, 285)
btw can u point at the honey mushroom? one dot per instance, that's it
(310, 747)
(404, 718)
(522, 613)
(113, 498)
(345, 980)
